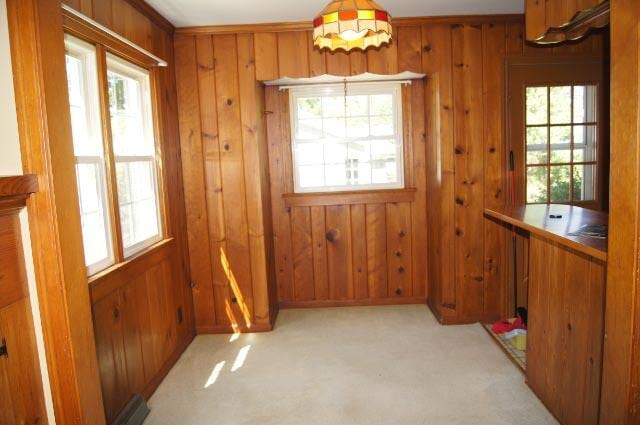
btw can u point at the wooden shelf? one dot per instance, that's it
(535, 219)
(14, 191)
(349, 198)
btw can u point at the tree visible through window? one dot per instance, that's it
(561, 146)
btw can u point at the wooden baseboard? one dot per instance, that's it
(352, 303)
(228, 329)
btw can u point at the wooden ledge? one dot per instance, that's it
(349, 198)
(18, 185)
(14, 191)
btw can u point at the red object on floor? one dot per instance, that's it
(504, 326)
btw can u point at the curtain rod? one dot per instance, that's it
(347, 83)
(99, 26)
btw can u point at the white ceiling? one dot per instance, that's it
(222, 12)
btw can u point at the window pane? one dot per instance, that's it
(311, 176)
(310, 153)
(584, 182)
(560, 144)
(382, 104)
(309, 107)
(560, 183)
(138, 201)
(537, 184)
(357, 106)
(537, 144)
(335, 128)
(584, 104)
(347, 143)
(134, 148)
(309, 129)
(130, 107)
(560, 102)
(536, 105)
(584, 143)
(382, 125)
(82, 79)
(96, 234)
(358, 127)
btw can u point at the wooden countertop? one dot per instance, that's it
(535, 219)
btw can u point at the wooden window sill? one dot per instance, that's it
(349, 198)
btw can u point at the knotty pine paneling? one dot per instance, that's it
(223, 138)
(455, 158)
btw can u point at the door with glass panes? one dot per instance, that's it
(556, 131)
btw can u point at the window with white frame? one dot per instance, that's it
(135, 154)
(88, 147)
(347, 137)
(118, 166)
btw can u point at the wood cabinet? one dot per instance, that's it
(21, 395)
(553, 21)
(566, 330)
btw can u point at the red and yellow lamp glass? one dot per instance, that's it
(352, 24)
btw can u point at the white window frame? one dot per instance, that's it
(129, 70)
(350, 89)
(86, 53)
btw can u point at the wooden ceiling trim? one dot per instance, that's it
(307, 26)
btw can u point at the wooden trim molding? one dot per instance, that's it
(153, 15)
(307, 25)
(352, 303)
(14, 191)
(44, 123)
(87, 29)
(349, 198)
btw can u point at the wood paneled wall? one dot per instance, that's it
(143, 309)
(224, 152)
(436, 244)
(545, 14)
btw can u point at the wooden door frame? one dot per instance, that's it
(37, 49)
(510, 64)
(620, 396)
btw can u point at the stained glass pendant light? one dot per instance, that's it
(352, 24)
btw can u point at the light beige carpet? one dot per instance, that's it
(344, 366)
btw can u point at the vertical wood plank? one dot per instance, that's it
(469, 166)
(302, 251)
(194, 180)
(437, 63)
(132, 301)
(376, 217)
(514, 39)
(320, 262)
(278, 106)
(338, 63)
(220, 291)
(293, 54)
(250, 108)
(410, 59)
(339, 253)
(317, 61)
(536, 18)
(399, 250)
(102, 12)
(236, 258)
(383, 60)
(358, 61)
(493, 40)
(409, 40)
(266, 51)
(359, 251)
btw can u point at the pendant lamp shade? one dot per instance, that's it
(352, 24)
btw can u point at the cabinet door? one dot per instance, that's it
(21, 397)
